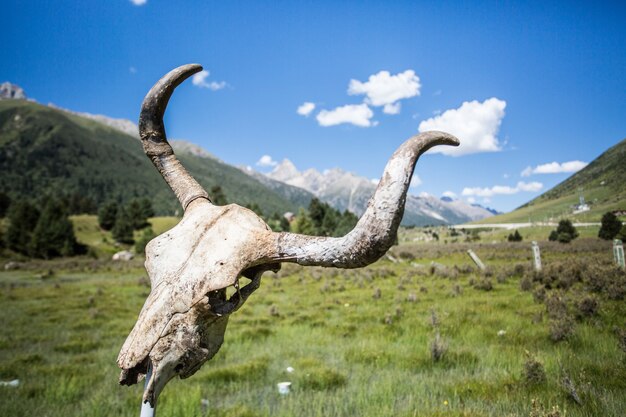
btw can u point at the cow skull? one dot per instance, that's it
(183, 321)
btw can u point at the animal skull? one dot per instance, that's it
(183, 321)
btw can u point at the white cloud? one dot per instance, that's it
(415, 181)
(475, 124)
(138, 2)
(449, 194)
(424, 194)
(502, 189)
(306, 108)
(384, 89)
(375, 181)
(392, 108)
(199, 80)
(266, 161)
(356, 114)
(555, 168)
(471, 200)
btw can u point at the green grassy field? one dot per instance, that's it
(360, 341)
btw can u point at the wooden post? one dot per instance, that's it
(476, 259)
(618, 253)
(536, 256)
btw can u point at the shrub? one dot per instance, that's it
(610, 227)
(515, 237)
(561, 323)
(587, 306)
(438, 348)
(561, 328)
(564, 233)
(484, 284)
(534, 372)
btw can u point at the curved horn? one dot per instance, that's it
(155, 144)
(376, 230)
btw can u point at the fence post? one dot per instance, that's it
(618, 253)
(476, 259)
(536, 256)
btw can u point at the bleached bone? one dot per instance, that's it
(183, 321)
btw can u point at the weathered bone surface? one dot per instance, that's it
(183, 321)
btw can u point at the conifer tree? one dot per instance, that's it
(146, 207)
(22, 218)
(54, 233)
(610, 226)
(123, 230)
(303, 223)
(107, 215)
(137, 213)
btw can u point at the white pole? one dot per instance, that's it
(618, 252)
(537, 256)
(476, 259)
(148, 410)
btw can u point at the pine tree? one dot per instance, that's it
(136, 211)
(317, 212)
(303, 223)
(54, 233)
(23, 218)
(610, 226)
(146, 207)
(515, 237)
(107, 215)
(123, 230)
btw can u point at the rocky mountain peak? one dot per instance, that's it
(284, 171)
(11, 91)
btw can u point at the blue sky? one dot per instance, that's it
(522, 85)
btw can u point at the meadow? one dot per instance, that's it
(420, 333)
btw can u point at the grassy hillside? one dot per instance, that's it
(602, 183)
(46, 151)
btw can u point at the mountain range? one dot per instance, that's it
(48, 149)
(347, 191)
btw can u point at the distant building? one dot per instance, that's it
(582, 206)
(619, 212)
(289, 216)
